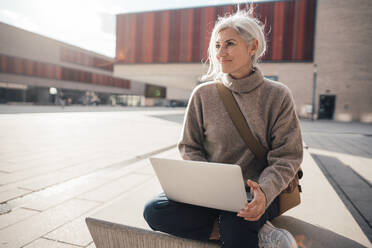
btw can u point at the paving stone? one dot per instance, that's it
(4, 209)
(115, 188)
(92, 245)
(351, 168)
(129, 208)
(172, 154)
(10, 168)
(18, 176)
(90, 166)
(45, 243)
(358, 193)
(8, 194)
(141, 167)
(363, 166)
(350, 144)
(20, 158)
(15, 216)
(38, 225)
(118, 170)
(148, 170)
(362, 149)
(53, 196)
(75, 232)
(341, 173)
(29, 174)
(42, 182)
(360, 165)
(5, 166)
(364, 206)
(70, 158)
(362, 200)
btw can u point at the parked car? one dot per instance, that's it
(177, 103)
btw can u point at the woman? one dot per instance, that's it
(237, 42)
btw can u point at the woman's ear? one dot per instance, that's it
(253, 47)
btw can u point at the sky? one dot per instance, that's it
(89, 24)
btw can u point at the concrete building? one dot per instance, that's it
(319, 49)
(37, 69)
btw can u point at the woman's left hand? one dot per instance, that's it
(256, 208)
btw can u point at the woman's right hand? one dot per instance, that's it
(256, 208)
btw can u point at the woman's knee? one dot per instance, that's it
(148, 213)
(155, 211)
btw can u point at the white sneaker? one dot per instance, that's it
(271, 237)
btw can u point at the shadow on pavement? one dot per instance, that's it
(341, 137)
(352, 188)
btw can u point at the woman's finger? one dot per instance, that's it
(252, 216)
(251, 204)
(252, 184)
(249, 212)
(252, 212)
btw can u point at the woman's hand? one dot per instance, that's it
(256, 208)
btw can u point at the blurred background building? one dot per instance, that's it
(35, 69)
(319, 49)
(313, 46)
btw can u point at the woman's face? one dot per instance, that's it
(233, 54)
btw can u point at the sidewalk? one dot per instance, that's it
(56, 169)
(52, 164)
(343, 153)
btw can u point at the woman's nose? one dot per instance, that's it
(221, 52)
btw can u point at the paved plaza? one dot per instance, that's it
(58, 168)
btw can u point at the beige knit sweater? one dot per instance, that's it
(209, 134)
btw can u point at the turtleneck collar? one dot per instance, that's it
(243, 85)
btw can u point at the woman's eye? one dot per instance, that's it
(229, 44)
(218, 46)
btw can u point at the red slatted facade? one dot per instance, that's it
(31, 68)
(80, 58)
(182, 35)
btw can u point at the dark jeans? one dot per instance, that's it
(194, 222)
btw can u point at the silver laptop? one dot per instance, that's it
(212, 185)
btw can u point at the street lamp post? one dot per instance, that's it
(314, 92)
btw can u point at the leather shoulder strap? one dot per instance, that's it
(240, 123)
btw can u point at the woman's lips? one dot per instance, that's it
(225, 61)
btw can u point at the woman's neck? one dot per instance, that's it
(242, 75)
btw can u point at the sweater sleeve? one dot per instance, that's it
(285, 155)
(192, 138)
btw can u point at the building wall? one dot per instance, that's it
(342, 61)
(137, 88)
(299, 79)
(21, 43)
(35, 60)
(34, 68)
(297, 76)
(343, 54)
(182, 35)
(182, 76)
(166, 47)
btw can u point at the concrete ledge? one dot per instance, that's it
(113, 235)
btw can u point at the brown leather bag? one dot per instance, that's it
(288, 198)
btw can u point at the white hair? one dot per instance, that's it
(247, 27)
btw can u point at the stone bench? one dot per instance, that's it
(321, 220)
(122, 225)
